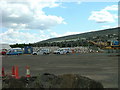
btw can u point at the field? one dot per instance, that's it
(102, 67)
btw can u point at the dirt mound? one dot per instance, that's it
(47, 80)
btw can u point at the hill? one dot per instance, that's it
(82, 39)
(107, 34)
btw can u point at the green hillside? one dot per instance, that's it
(78, 39)
(106, 34)
(82, 39)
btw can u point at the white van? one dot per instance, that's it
(63, 51)
(41, 52)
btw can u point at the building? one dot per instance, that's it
(5, 46)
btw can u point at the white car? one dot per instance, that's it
(63, 51)
(41, 52)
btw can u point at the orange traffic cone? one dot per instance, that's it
(27, 71)
(16, 73)
(3, 72)
(13, 71)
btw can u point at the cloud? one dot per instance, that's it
(71, 33)
(104, 15)
(29, 15)
(21, 15)
(12, 36)
(112, 8)
(54, 34)
(108, 26)
(44, 22)
(79, 1)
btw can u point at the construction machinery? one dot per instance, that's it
(99, 43)
(107, 45)
(114, 45)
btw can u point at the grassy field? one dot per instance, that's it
(101, 67)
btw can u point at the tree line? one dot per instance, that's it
(59, 44)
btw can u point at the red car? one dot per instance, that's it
(4, 51)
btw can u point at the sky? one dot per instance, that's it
(32, 21)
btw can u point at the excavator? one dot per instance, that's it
(98, 44)
(107, 45)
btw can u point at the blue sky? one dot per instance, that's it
(76, 16)
(35, 21)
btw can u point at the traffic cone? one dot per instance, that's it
(13, 71)
(3, 72)
(16, 72)
(27, 71)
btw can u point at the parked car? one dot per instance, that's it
(63, 51)
(15, 51)
(41, 52)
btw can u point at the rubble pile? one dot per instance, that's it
(47, 80)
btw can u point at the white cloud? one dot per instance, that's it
(79, 1)
(108, 26)
(12, 36)
(71, 33)
(54, 34)
(18, 16)
(28, 15)
(113, 8)
(104, 15)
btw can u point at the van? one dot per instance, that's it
(63, 51)
(14, 51)
(41, 52)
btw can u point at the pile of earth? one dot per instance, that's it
(47, 80)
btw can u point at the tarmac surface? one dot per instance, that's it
(102, 67)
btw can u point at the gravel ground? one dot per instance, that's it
(102, 67)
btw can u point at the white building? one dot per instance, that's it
(4, 46)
